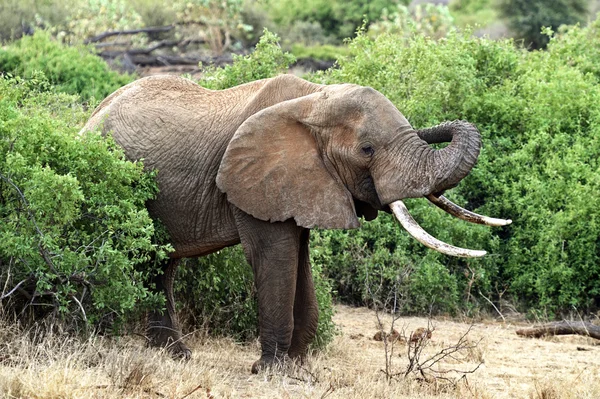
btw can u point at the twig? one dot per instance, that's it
(80, 307)
(491, 303)
(14, 289)
(195, 389)
(328, 392)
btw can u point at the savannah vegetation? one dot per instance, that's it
(75, 238)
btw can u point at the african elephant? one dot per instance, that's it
(262, 163)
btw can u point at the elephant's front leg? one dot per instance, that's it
(272, 250)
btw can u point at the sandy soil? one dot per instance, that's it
(511, 366)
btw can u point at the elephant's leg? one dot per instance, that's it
(163, 328)
(306, 310)
(272, 250)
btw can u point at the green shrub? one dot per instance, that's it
(320, 52)
(20, 16)
(526, 18)
(474, 12)
(71, 70)
(217, 292)
(539, 166)
(93, 17)
(427, 19)
(266, 61)
(309, 33)
(339, 19)
(154, 13)
(74, 230)
(218, 20)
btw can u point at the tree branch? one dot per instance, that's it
(151, 29)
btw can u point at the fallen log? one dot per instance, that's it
(164, 43)
(168, 60)
(152, 29)
(562, 328)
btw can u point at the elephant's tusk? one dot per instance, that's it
(461, 213)
(413, 228)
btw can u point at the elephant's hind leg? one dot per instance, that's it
(306, 310)
(163, 328)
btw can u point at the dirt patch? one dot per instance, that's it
(513, 367)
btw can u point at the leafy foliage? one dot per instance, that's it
(474, 12)
(74, 229)
(92, 17)
(19, 17)
(339, 19)
(71, 70)
(426, 19)
(538, 114)
(222, 18)
(267, 60)
(320, 52)
(526, 18)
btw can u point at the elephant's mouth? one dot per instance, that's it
(412, 227)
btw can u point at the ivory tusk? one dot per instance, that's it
(413, 228)
(461, 213)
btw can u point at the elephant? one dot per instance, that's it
(261, 164)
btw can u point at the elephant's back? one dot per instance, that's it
(179, 129)
(158, 115)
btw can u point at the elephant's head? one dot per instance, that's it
(326, 158)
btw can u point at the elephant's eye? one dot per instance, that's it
(368, 150)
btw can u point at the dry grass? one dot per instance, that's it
(32, 366)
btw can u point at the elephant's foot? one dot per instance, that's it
(299, 352)
(170, 340)
(280, 364)
(179, 351)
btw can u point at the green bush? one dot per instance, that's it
(20, 16)
(92, 17)
(74, 230)
(266, 61)
(319, 52)
(338, 19)
(372, 265)
(427, 19)
(217, 292)
(474, 12)
(526, 18)
(539, 166)
(71, 70)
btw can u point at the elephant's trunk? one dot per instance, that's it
(417, 170)
(433, 172)
(453, 163)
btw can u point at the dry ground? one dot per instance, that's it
(513, 367)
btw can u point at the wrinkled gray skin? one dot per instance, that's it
(262, 163)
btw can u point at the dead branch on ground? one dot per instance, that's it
(562, 328)
(151, 29)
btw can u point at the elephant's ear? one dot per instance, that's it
(273, 170)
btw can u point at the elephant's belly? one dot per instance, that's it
(186, 251)
(193, 230)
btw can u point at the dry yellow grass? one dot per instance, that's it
(514, 367)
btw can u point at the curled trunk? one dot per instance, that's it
(452, 163)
